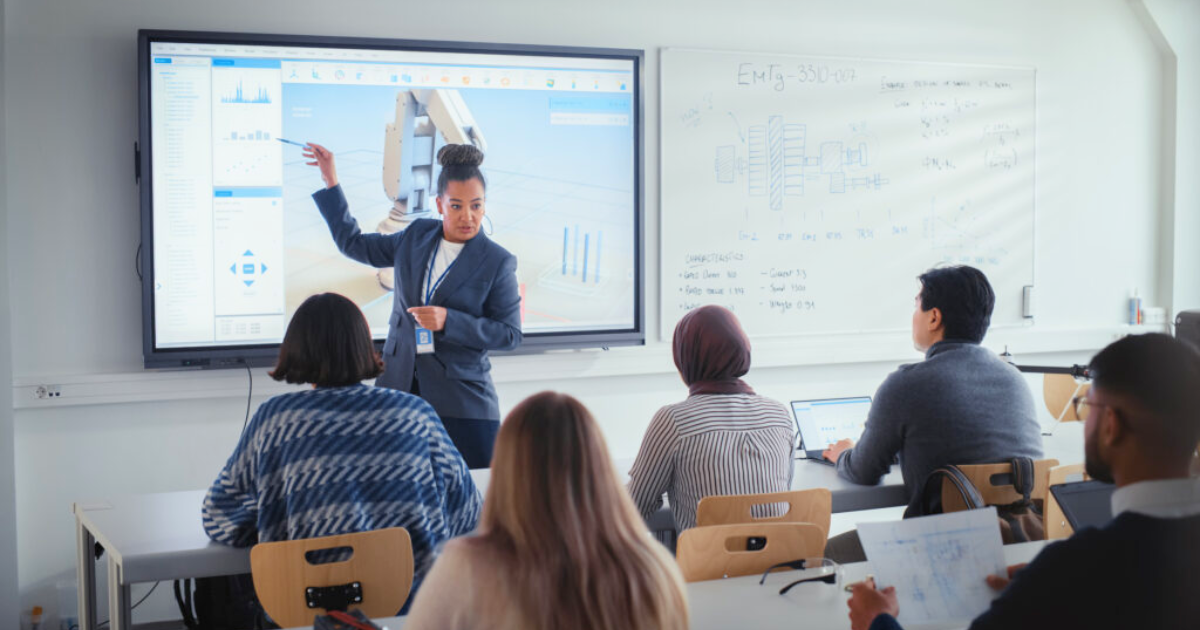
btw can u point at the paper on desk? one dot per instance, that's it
(937, 563)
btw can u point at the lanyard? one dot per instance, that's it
(430, 288)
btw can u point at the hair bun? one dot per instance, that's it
(460, 155)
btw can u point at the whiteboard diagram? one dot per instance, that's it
(777, 163)
(806, 194)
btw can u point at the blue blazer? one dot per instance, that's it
(480, 294)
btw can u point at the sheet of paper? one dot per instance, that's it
(937, 563)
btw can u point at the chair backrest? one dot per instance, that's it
(381, 561)
(719, 551)
(803, 506)
(1058, 390)
(1056, 522)
(994, 482)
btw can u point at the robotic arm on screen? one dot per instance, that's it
(410, 147)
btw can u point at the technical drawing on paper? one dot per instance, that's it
(937, 563)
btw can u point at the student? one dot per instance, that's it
(1142, 569)
(449, 279)
(560, 544)
(724, 439)
(961, 405)
(342, 457)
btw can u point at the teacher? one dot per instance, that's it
(456, 297)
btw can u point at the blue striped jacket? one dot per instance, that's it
(341, 460)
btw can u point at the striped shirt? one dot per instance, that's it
(342, 460)
(712, 445)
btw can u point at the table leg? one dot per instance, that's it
(85, 572)
(119, 597)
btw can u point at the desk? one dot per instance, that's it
(156, 537)
(742, 603)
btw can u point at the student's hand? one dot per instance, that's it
(866, 603)
(998, 583)
(323, 159)
(835, 450)
(429, 317)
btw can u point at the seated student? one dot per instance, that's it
(560, 544)
(961, 405)
(342, 457)
(724, 439)
(1142, 570)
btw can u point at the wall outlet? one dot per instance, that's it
(1154, 316)
(46, 392)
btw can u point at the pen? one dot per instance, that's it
(850, 587)
(286, 141)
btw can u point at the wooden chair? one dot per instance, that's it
(1058, 390)
(803, 506)
(381, 561)
(1056, 523)
(719, 551)
(994, 482)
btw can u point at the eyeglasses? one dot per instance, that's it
(1082, 406)
(815, 570)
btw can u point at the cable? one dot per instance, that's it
(249, 393)
(75, 626)
(137, 261)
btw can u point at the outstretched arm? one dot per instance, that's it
(377, 250)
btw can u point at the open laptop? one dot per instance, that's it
(822, 422)
(1085, 503)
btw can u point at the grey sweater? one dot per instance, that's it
(961, 405)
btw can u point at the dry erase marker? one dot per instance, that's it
(286, 141)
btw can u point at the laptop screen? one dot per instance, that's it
(823, 422)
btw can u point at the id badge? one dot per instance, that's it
(424, 340)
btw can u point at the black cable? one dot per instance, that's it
(249, 394)
(137, 262)
(75, 626)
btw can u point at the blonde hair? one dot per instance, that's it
(576, 553)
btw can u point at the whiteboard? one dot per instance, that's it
(807, 193)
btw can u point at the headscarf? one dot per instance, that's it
(711, 351)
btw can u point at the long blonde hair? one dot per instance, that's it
(576, 553)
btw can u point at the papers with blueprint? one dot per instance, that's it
(938, 563)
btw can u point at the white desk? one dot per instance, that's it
(159, 536)
(742, 603)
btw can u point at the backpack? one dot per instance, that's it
(1020, 521)
(224, 602)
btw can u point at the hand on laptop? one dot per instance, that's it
(835, 450)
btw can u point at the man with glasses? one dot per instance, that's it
(1141, 570)
(961, 405)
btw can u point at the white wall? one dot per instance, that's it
(71, 90)
(8, 503)
(1178, 21)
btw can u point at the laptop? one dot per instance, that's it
(1085, 503)
(822, 422)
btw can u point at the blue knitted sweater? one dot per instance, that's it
(342, 460)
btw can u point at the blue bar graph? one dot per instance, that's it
(586, 237)
(591, 254)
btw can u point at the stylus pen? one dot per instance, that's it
(286, 141)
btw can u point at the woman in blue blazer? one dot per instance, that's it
(452, 282)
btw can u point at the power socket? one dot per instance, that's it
(46, 392)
